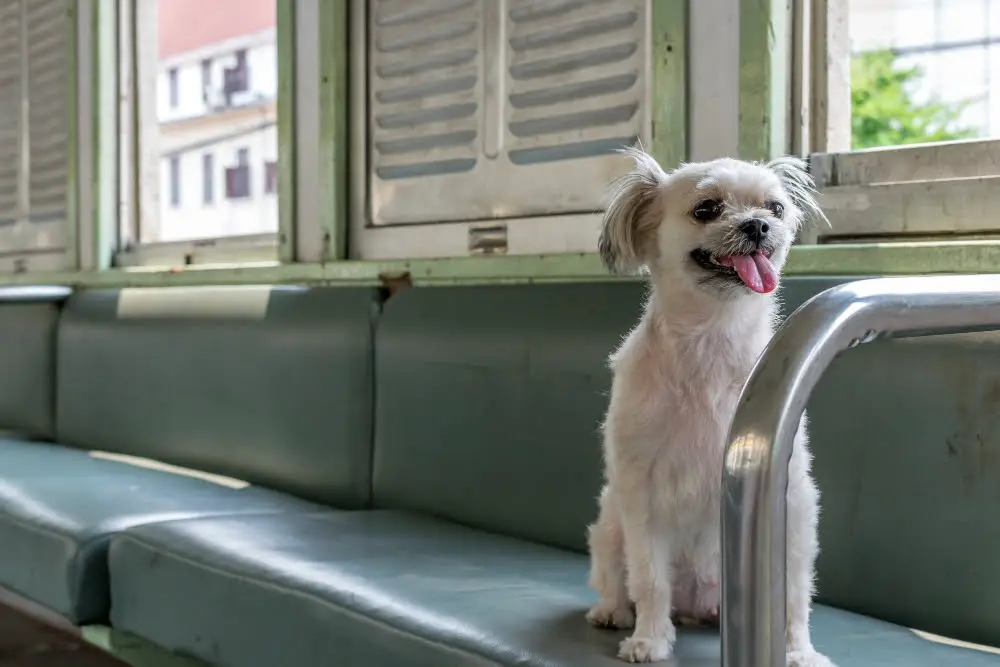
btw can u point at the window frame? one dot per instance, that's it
(127, 248)
(931, 192)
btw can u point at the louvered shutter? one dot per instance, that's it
(47, 29)
(10, 109)
(483, 109)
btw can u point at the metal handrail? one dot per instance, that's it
(755, 475)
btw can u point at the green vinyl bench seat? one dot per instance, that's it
(266, 385)
(391, 588)
(59, 508)
(421, 474)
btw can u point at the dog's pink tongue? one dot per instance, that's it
(756, 271)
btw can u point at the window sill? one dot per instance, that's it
(829, 260)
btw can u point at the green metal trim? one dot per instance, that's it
(765, 52)
(829, 260)
(333, 108)
(285, 38)
(72, 150)
(669, 82)
(105, 124)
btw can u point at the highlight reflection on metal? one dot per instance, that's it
(755, 475)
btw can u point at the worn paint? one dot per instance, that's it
(765, 49)
(333, 109)
(669, 82)
(285, 44)
(829, 260)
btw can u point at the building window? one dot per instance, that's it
(236, 79)
(206, 79)
(175, 181)
(174, 89)
(207, 178)
(238, 177)
(270, 177)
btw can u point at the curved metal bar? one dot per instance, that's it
(755, 476)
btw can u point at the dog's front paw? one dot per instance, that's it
(646, 649)
(606, 614)
(807, 658)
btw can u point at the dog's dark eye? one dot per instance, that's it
(776, 209)
(708, 210)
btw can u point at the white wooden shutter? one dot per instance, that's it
(10, 109)
(483, 109)
(48, 29)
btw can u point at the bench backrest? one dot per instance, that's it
(29, 318)
(489, 403)
(270, 384)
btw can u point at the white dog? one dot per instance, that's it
(713, 236)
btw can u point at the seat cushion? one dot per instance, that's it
(388, 588)
(59, 506)
(267, 383)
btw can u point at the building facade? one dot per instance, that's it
(217, 88)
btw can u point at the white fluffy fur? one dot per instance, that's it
(677, 375)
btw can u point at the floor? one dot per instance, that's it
(26, 641)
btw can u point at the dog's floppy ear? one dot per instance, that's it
(632, 215)
(798, 183)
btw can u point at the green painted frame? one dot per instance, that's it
(334, 32)
(287, 154)
(831, 260)
(72, 151)
(105, 217)
(669, 22)
(765, 71)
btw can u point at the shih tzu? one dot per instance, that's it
(713, 237)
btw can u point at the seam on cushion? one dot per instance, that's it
(163, 553)
(374, 324)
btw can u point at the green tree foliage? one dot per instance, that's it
(884, 113)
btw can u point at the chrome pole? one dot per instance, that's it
(755, 474)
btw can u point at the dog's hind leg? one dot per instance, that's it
(607, 568)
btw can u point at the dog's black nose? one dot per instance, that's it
(755, 229)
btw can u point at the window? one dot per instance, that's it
(237, 77)
(270, 177)
(212, 64)
(919, 89)
(175, 181)
(206, 80)
(933, 61)
(172, 81)
(238, 177)
(207, 178)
